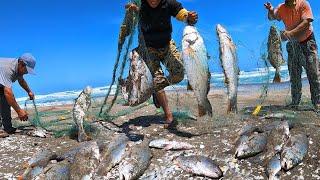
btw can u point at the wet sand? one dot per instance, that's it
(213, 137)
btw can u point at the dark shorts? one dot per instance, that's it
(170, 57)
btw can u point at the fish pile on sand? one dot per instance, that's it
(280, 148)
(96, 159)
(108, 153)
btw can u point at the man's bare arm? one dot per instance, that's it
(271, 14)
(11, 99)
(24, 84)
(304, 25)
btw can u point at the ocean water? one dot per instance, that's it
(257, 77)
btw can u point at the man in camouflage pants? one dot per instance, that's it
(158, 47)
(302, 47)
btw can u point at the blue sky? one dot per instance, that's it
(75, 41)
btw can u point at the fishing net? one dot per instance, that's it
(130, 22)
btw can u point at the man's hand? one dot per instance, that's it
(31, 95)
(285, 35)
(132, 7)
(22, 114)
(192, 18)
(268, 6)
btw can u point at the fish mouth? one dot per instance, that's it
(221, 29)
(192, 42)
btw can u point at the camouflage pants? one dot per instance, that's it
(304, 55)
(170, 58)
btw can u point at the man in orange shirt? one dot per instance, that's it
(302, 47)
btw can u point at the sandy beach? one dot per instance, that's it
(214, 137)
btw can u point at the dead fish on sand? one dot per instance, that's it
(38, 132)
(85, 162)
(277, 137)
(229, 62)
(195, 58)
(248, 129)
(274, 167)
(58, 171)
(275, 56)
(80, 109)
(70, 155)
(170, 145)
(199, 165)
(138, 86)
(294, 151)
(280, 115)
(276, 124)
(114, 153)
(135, 162)
(37, 163)
(251, 145)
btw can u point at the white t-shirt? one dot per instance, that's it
(8, 71)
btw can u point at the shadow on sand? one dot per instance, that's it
(147, 121)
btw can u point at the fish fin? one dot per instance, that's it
(277, 77)
(189, 87)
(207, 110)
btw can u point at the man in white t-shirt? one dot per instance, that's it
(12, 69)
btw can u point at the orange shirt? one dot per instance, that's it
(292, 17)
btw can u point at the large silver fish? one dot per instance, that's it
(114, 153)
(199, 165)
(294, 151)
(229, 62)
(275, 56)
(251, 145)
(85, 162)
(136, 162)
(80, 110)
(138, 86)
(195, 58)
(170, 145)
(37, 163)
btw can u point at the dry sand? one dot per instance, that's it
(214, 138)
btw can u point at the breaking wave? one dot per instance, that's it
(258, 76)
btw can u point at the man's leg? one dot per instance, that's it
(295, 70)
(159, 82)
(173, 63)
(163, 101)
(6, 113)
(312, 67)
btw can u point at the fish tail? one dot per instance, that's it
(206, 109)
(277, 77)
(232, 106)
